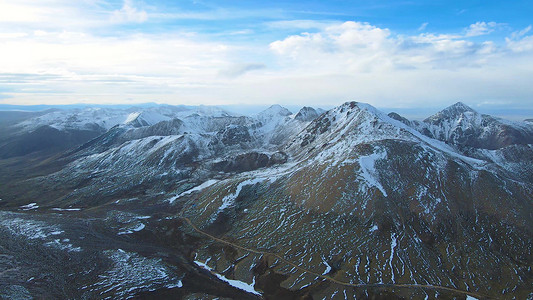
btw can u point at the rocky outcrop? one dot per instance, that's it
(234, 135)
(306, 114)
(250, 161)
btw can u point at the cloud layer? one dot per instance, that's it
(104, 53)
(363, 61)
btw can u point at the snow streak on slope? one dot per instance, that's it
(369, 173)
(194, 189)
(393, 244)
(235, 283)
(229, 199)
(131, 117)
(145, 118)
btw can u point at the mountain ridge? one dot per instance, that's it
(363, 197)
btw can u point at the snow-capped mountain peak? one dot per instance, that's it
(145, 118)
(274, 111)
(456, 111)
(213, 111)
(462, 126)
(306, 114)
(273, 116)
(333, 134)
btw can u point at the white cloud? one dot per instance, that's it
(481, 28)
(239, 32)
(359, 45)
(521, 45)
(519, 41)
(362, 47)
(237, 70)
(423, 26)
(296, 44)
(12, 35)
(75, 65)
(361, 61)
(299, 24)
(21, 12)
(356, 35)
(521, 33)
(348, 36)
(50, 53)
(129, 13)
(54, 15)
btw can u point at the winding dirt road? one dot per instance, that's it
(331, 279)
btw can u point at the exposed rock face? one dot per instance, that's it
(278, 158)
(250, 161)
(397, 117)
(234, 135)
(306, 114)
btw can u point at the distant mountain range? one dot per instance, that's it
(198, 202)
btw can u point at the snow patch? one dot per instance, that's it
(235, 283)
(66, 209)
(175, 285)
(29, 206)
(392, 246)
(62, 245)
(139, 227)
(328, 267)
(194, 189)
(131, 117)
(368, 170)
(229, 199)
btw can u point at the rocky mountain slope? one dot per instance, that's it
(348, 203)
(462, 126)
(367, 199)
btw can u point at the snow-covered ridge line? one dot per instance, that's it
(433, 143)
(91, 118)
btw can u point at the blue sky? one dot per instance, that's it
(322, 53)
